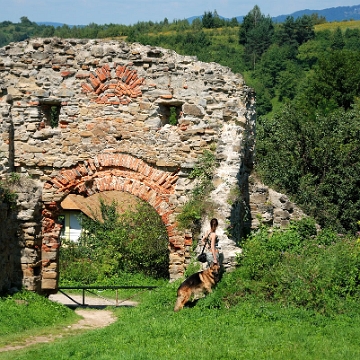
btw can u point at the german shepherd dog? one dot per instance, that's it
(197, 284)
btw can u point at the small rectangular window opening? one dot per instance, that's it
(50, 115)
(170, 113)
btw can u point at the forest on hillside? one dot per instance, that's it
(307, 82)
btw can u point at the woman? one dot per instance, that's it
(212, 253)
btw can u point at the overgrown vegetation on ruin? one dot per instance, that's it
(8, 185)
(131, 242)
(199, 203)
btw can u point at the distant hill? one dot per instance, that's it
(55, 24)
(339, 13)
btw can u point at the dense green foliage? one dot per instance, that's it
(308, 124)
(131, 242)
(298, 267)
(255, 34)
(316, 158)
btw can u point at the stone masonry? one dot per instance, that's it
(88, 116)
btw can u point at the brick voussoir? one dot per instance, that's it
(163, 178)
(156, 175)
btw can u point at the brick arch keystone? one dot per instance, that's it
(117, 86)
(107, 172)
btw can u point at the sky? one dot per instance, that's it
(84, 12)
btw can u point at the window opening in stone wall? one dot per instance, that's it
(50, 115)
(173, 116)
(155, 53)
(170, 114)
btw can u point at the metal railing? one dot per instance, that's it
(90, 288)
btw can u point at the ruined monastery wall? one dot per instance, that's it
(113, 102)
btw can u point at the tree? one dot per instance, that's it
(335, 81)
(218, 22)
(304, 26)
(256, 34)
(208, 20)
(25, 21)
(352, 39)
(197, 24)
(285, 35)
(288, 81)
(234, 22)
(271, 64)
(309, 52)
(295, 32)
(249, 22)
(338, 41)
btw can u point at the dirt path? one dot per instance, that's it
(92, 318)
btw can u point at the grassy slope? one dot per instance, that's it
(30, 314)
(249, 330)
(343, 25)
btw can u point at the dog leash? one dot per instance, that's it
(206, 242)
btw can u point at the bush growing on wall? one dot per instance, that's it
(7, 194)
(198, 203)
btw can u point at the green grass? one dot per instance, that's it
(294, 295)
(27, 314)
(251, 329)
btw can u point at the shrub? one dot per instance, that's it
(198, 203)
(296, 267)
(130, 242)
(173, 116)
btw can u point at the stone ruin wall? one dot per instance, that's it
(10, 275)
(20, 245)
(113, 133)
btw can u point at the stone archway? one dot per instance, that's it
(106, 173)
(109, 128)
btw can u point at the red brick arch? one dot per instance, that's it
(119, 86)
(109, 172)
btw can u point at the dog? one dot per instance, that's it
(197, 284)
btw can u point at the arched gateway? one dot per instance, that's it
(116, 172)
(85, 116)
